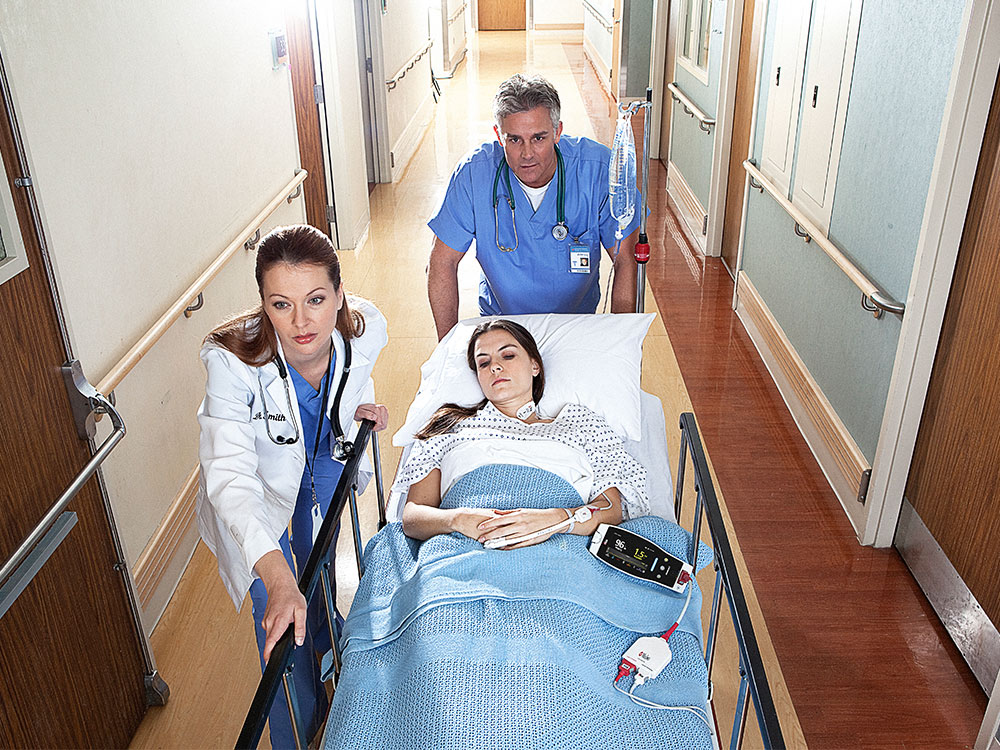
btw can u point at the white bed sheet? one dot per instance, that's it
(650, 451)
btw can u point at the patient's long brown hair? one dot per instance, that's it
(448, 416)
(250, 335)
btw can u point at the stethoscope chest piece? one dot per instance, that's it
(342, 448)
(560, 232)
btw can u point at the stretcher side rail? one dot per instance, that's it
(753, 678)
(279, 666)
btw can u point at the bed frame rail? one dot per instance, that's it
(317, 572)
(753, 679)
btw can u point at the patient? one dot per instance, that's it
(506, 428)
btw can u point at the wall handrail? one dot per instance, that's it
(454, 16)
(401, 73)
(141, 347)
(677, 94)
(600, 18)
(873, 299)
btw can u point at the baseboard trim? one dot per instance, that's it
(692, 213)
(600, 68)
(158, 569)
(838, 454)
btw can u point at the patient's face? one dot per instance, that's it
(504, 369)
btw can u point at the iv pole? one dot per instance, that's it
(642, 244)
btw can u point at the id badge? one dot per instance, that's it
(579, 259)
(317, 520)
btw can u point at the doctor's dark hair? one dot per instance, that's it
(446, 418)
(250, 335)
(521, 93)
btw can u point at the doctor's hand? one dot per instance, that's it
(376, 413)
(512, 523)
(285, 603)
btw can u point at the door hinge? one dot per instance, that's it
(331, 215)
(866, 478)
(368, 65)
(704, 224)
(318, 93)
(392, 160)
(23, 182)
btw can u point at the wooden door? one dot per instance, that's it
(614, 85)
(501, 15)
(742, 115)
(302, 64)
(954, 482)
(71, 665)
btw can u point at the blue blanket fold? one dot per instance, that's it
(454, 645)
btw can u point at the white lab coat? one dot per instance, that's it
(248, 483)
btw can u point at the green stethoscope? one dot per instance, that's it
(559, 231)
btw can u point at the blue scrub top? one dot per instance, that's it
(537, 277)
(326, 470)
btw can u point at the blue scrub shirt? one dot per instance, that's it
(537, 277)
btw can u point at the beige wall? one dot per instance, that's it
(155, 132)
(404, 34)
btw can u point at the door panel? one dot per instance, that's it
(784, 82)
(71, 666)
(742, 115)
(954, 482)
(501, 15)
(301, 60)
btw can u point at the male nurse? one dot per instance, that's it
(536, 204)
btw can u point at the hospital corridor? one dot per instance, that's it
(784, 402)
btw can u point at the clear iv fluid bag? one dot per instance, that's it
(621, 174)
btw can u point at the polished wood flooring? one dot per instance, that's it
(866, 661)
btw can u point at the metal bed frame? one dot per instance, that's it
(316, 574)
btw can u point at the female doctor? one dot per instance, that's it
(282, 380)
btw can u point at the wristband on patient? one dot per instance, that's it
(580, 515)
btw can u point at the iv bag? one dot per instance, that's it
(621, 174)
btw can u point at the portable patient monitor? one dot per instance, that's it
(639, 557)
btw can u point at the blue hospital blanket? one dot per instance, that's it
(451, 645)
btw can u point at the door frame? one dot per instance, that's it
(661, 57)
(725, 112)
(974, 75)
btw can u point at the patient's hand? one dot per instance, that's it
(520, 522)
(466, 521)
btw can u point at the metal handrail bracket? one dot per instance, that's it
(877, 299)
(677, 94)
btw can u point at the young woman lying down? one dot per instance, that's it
(458, 641)
(506, 428)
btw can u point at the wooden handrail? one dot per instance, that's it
(401, 73)
(141, 347)
(704, 121)
(811, 233)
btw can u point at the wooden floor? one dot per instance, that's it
(867, 666)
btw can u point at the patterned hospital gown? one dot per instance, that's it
(576, 426)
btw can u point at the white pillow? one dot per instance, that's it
(594, 360)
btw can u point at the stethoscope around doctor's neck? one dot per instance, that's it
(559, 230)
(342, 447)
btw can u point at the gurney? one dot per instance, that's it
(355, 676)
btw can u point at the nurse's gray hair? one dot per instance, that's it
(521, 93)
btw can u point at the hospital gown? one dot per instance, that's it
(575, 426)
